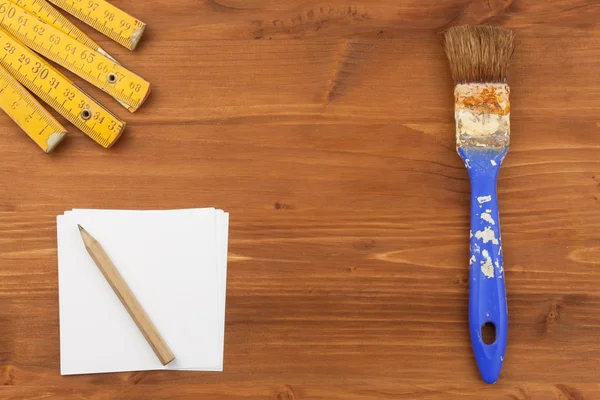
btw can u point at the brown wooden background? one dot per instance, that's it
(326, 129)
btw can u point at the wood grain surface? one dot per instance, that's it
(326, 129)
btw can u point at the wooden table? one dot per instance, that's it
(326, 129)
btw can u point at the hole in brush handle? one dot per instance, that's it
(488, 333)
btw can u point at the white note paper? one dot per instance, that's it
(174, 261)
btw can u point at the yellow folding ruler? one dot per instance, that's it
(50, 15)
(39, 125)
(58, 91)
(106, 18)
(127, 88)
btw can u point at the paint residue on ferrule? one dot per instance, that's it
(482, 113)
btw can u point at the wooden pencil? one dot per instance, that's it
(124, 293)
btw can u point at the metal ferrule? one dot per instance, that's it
(482, 113)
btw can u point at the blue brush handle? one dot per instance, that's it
(487, 293)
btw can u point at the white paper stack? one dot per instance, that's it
(174, 261)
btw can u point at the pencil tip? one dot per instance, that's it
(80, 227)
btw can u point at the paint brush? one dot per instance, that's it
(479, 58)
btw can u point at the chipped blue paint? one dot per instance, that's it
(487, 293)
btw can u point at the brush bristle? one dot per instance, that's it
(478, 53)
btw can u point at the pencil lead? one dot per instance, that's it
(80, 227)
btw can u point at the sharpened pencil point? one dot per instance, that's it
(80, 227)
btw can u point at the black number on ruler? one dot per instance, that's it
(28, 118)
(22, 21)
(54, 39)
(54, 83)
(24, 59)
(103, 68)
(37, 69)
(124, 24)
(113, 125)
(93, 5)
(98, 118)
(109, 15)
(69, 94)
(70, 49)
(9, 48)
(88, 57)
(83, 105)
(39, 29)
(11, 12)
(135, 87)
